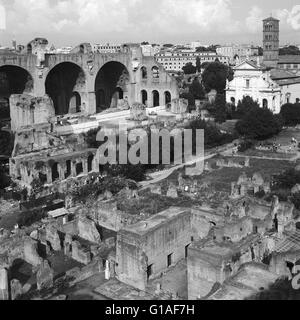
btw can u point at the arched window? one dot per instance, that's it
(120, 92)
(155, 95)
(232, 99)
(155, 72)
(29, 48)
(274, 104)
(75, 103)
(287, 97)
(144, 74)
(265, 103)
(144, 96)
(90, 163)
(167, 97)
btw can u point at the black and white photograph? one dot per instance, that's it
(149, 153)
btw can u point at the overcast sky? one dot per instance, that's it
(69, 22)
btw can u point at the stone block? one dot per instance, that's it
(4, 293)
(87, 230)
(80, 254)
(31, 254)
(16, 289)
(44, 276)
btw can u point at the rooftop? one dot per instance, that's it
(216, 252)
(289, 58)
(271, 19)
(277, 74)
(156, 221)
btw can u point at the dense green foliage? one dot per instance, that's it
(213, 137)
(290, 113)
(215, 76)
(255, 122)
(218, 108)
(246, 105)
(189, 68)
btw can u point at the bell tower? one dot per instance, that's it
(271, 42)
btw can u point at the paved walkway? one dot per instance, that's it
(164, 174)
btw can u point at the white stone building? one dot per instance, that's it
(271, 88)
(176, 60)
(254, 81)
(238, 52)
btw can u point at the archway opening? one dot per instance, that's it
(22, 271)
(111, 85)
(75, 103)
(61, 83)
(29, 49)
(90, 163)
(155, 72)
(155, 95)
(167, 97)
(144, 73)
(265, 103)
(144, 96)
(13, 80)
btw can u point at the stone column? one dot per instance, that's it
(61, 172)
(73, 169)
(91, 108)
(85, 166)
(161, 98)
(49, 175)
(4, 287)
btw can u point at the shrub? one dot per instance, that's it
(291, 114)
(245, 145)
(260, 125)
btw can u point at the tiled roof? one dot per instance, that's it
(286, 82)
(271, 19)
(289, 58)
(282, 74)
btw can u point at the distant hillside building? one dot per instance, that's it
(177, 59)
(271, 42)
(238, 52)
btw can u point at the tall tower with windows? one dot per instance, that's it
(271, 42)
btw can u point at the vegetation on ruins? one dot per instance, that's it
(151, 204)
(93, 190)
(218, 108)
(286, 180)
(26, 219)
(282, 185)
(4, 178)
(290, 113)
(213, 136)
(6, 143)
(280, 290)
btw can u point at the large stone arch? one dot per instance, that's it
(13, 80)
(112, 84)
(63, 81)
